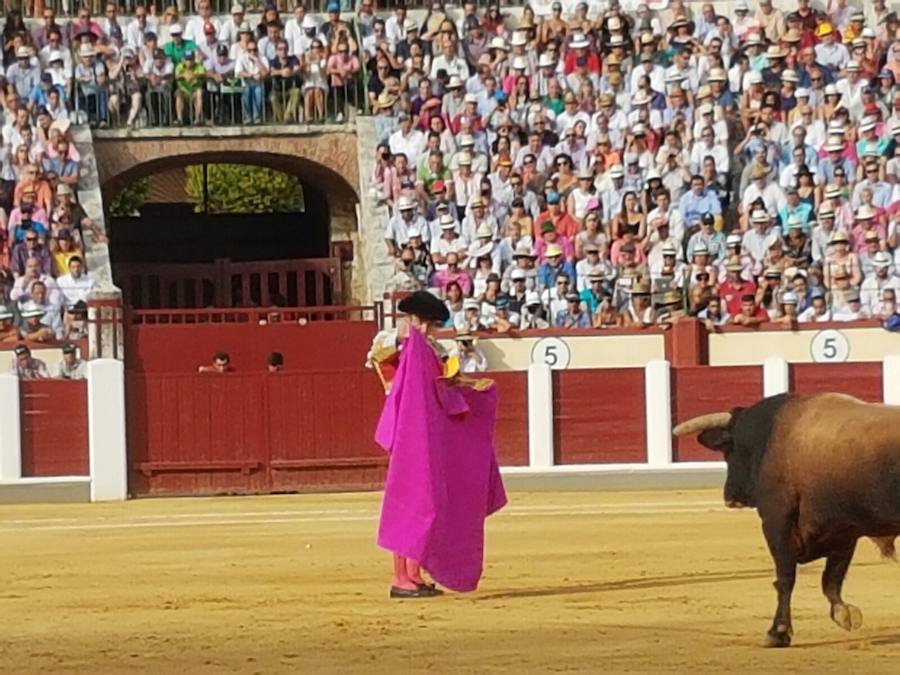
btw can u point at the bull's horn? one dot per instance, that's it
(697, 424)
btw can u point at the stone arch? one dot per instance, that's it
(326, 161)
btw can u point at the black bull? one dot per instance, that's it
(821, 471)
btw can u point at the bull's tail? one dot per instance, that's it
(886, 546)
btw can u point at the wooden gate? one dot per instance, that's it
(303, 282)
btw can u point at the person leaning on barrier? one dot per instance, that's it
(71, 367)
(284, 82)
(189, 77)
(26, 367)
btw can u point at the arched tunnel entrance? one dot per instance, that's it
(229, 229)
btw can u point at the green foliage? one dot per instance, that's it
(242, 188)
(128, 202)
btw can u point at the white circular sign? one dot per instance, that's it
(552, 351)
(829, 346)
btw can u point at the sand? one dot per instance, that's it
(649, 581)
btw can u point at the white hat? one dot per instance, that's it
(546, 61)
(176, 29)
(498, 43)
(411, 24)
(789, 298)
(454, 83)
(616, 171)
(31, 311)
(471, 303)
(853, 65)
(732, 239)
(237, 8)
(464, 159)
(484, 231)
(466, 139)
(705, 109)
(831, 90)
(517, 274)
(789, 75)
(531, 299)
(759, 216)
(741, 6)
(867, 123)
(639, 129)
(23, 52)
(794, 222)
(309, 21)
(520, 63)
(717, 75)
(755, 77)
(882, 259)
(865, 212)
(518, 39)
(406, 203)
(700, 249)
(470, 98)
(87, 50)
(835, 129)
(579, 41)
(447, 222)
(55, 55)
(640, 98)
(802, 92)
(834, 145)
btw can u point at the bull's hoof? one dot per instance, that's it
(848, 617)
(778, 638)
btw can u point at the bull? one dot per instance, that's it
(821, 472)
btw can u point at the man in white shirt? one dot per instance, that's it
(406, 140)
(138, 27)
(830, 52)
(194, 29)
(708, 147)
(77, 284)
(872, 286)
(817, 312)
(228, 33)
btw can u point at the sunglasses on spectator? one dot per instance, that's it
(30, 238)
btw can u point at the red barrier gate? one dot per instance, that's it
(598, 416)
(863, 380)
(707, 389)
(54, 428)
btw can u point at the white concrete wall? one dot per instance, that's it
(10, 429)
(106, 430)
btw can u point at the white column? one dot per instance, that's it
(658, 408)
(10, 428)
(106, 430)
(540, 416)
(776, 376)
(890, 379)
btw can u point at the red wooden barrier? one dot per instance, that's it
(54, 428)
(599, 416)
(316, 345)
(706, 389)
(511, 430)
(863, 380)
(320, 430)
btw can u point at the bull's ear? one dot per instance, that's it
(718, 440)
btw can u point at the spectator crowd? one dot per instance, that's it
(152, 69)
(582, 164)
(44, 283)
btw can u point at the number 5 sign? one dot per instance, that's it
(829, 346)
(552, 351)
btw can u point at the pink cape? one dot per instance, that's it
(443, 479)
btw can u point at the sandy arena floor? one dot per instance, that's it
(653, 581)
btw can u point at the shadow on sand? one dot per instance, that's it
(671, 581)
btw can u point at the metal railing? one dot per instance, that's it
(67, 8)
(231, 103)
(259, 316)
